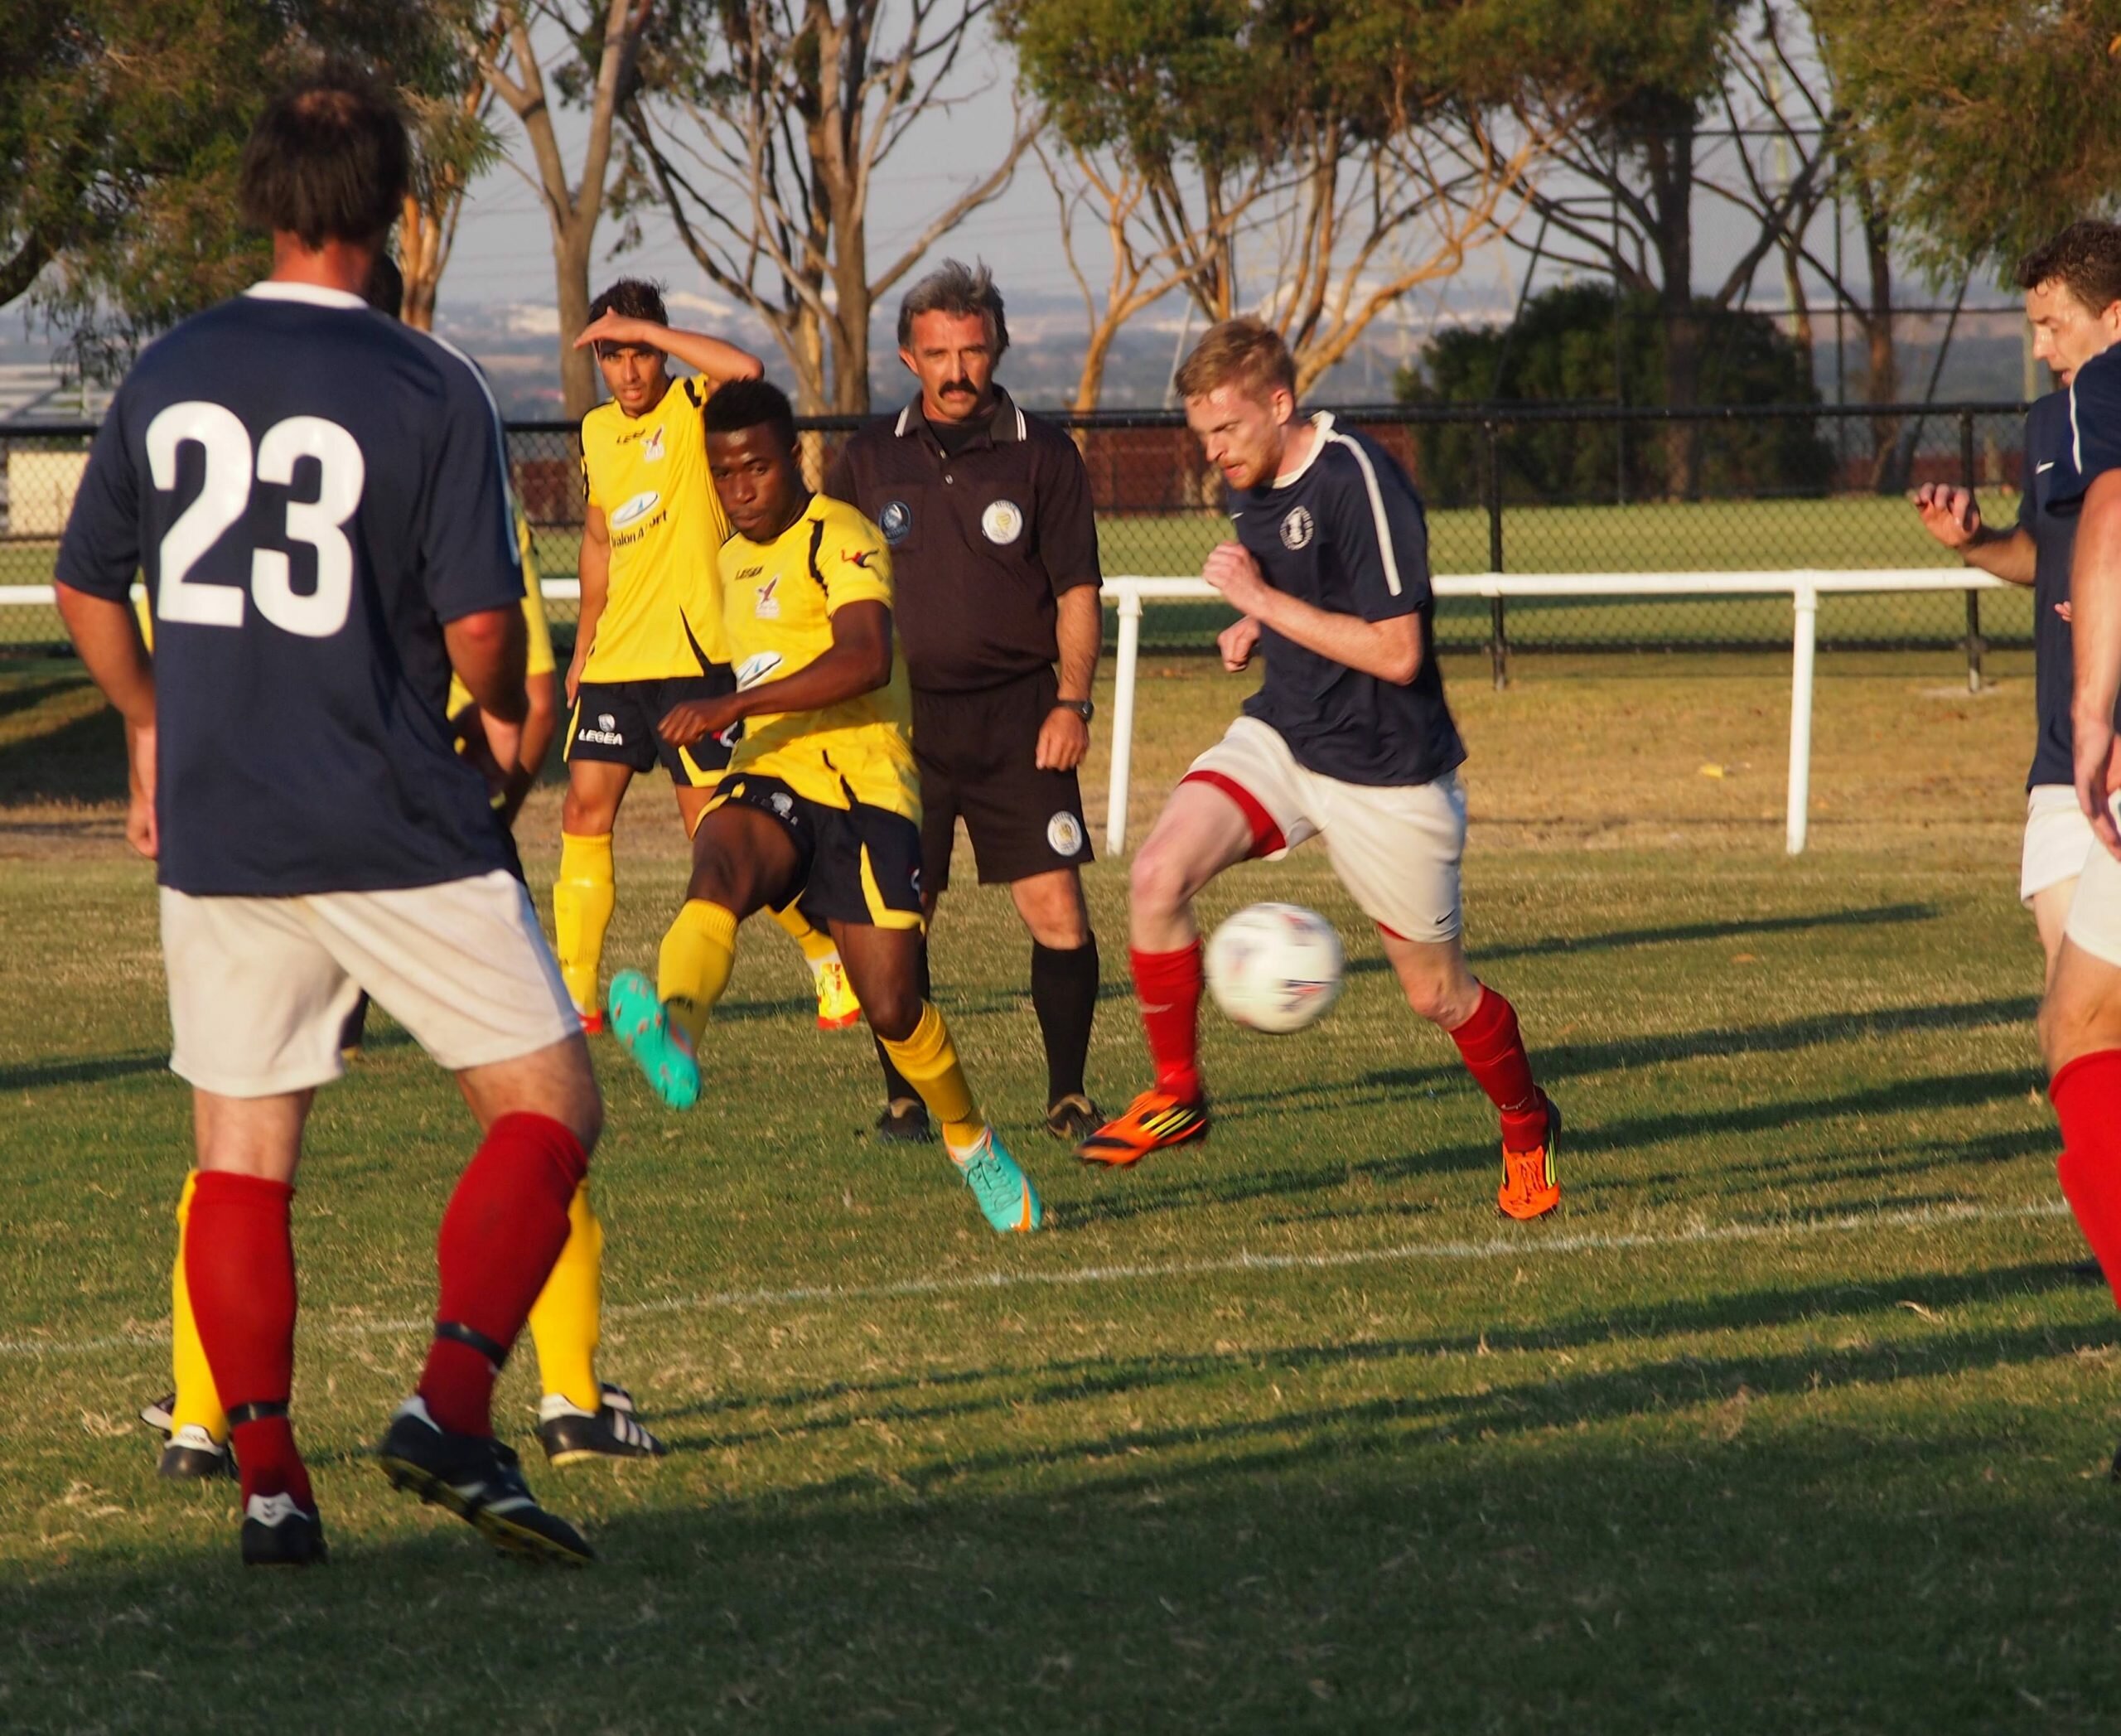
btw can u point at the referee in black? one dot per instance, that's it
(994, 565)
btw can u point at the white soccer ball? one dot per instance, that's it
(1275, 967)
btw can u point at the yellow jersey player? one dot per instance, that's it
(820, 806)
(650, 633)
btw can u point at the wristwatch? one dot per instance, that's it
(1083, 708)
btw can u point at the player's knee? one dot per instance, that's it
(1447, 999)
(584, 817)
(1158, 881)
(893, 1009)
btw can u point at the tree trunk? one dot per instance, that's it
(1089, 383)
(1669, 159)
(571, 275)
(850, 276)
(1801, 312)
(1882, 373)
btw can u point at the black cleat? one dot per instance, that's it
(570, 1434)
(905, 1122)
(481, 1481)
(191, 1455)
(1072, 1118)
(277, 1532)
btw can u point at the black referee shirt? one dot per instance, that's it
(981, 542)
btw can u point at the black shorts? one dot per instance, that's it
(979, 759)
(615, 722)
(857, 864)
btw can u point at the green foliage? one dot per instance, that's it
(1561, 350)
(1988, 123)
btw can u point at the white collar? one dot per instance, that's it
(315, 294)
(1322, 426)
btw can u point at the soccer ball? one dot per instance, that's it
(1275, 967)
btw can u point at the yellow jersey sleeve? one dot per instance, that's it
(540, 660)
(850, 560)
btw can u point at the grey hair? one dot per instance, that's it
(955, 288)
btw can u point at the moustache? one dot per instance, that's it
(962, 385)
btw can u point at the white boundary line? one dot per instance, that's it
(1495, 1248)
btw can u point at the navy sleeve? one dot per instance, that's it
(2029, 456)
(1067, 526)
(470, 560)
(2094, 428)
(100, 551)
(1374, 524)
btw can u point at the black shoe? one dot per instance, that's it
(191, 1455)
(278, 1533)
(1072, 1118)
(481, 1481)
(159, 1415)
(2084, 1271)
(570, 1434)
(905, 1122)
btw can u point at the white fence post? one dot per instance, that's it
(1123, 718)
(1804, 648)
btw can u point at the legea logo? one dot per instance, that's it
(638, 507)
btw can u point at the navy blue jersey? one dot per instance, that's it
(1346, 535)
(312, 490)
(2048, 465)
(2094, 429)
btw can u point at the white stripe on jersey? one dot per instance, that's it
(2076, 438)
(1376, 508)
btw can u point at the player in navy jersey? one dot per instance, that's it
(1348, 739)
(2073, 302)
(318, 500)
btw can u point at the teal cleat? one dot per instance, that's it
(1004, 1191)
(643, 1029)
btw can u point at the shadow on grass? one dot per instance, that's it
(94, 1071)
(82, 761)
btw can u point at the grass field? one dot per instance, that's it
(1791, 1420)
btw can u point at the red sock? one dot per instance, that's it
(504, 1226)
(2087, 1098)
(1168, 984)
(239, 1267)
(1493, 1050)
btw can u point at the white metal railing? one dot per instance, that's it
(1802, 586)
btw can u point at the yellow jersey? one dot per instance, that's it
(648, 476)
(778, 600)
(540, 660)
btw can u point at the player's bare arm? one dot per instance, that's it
(2095, 607)
(594, 568)
(707, 355)
(1064, 736)
(1953, 516)
(1390, 650)
(107, 638)
(488, 649)
(859, 662)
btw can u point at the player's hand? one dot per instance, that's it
(696, 719)
(2096, 776)
(1063, 739)
(616, 328)
(140, 830)
(1231, 569)
(1237, 642)
(1949, 515)
(574, 673)
(2062, 608)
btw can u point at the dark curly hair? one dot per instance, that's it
(2084, 258)
(742, 403)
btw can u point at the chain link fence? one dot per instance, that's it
(1512, 489)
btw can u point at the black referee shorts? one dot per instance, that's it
(615, 722)
(979, 759)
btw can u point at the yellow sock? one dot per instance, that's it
(693, 967)
(564, 1319)
(817, 943)
(583, 898)
(929, 1060)
(197, 1400)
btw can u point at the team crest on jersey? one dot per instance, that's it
(651, 448)
(1298, 528)
(1002, 523)
(895, 521)
(768, 605)
(1064, 832)
(638, 507)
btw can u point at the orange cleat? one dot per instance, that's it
(1154, 1121)
(1529, 1188)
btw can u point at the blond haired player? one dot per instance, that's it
(650, 633)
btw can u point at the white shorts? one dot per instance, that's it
(259, 988)
(2058, 838)
(2094, 924)
(1395, 847)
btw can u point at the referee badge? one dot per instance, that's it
(1002, 523)
(1064, 832)
(894, 521)
(1298, 528)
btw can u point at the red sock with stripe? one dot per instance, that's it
(1168, 984)
(1493, 1050)
(2087, 1098)
(504, 1226)
(240, 1268)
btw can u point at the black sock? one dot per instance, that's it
(897, 1087)
(1064, 992)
